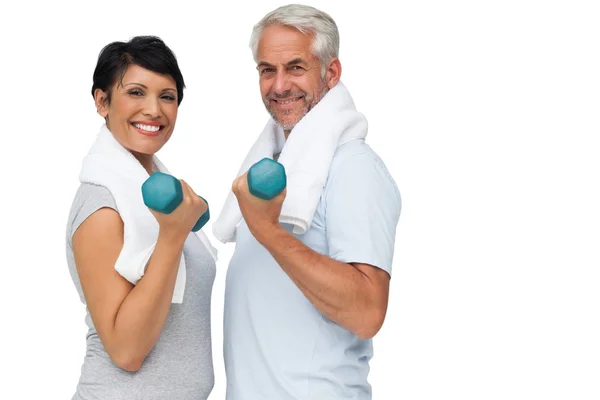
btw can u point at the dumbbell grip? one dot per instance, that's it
(203, 218)
(155, 188)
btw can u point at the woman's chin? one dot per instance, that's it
(147, 149)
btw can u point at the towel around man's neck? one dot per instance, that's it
(306, 156)
(110, 165)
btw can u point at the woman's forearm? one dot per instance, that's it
(143, 313)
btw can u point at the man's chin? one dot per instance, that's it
(286, 125)
(286, 122)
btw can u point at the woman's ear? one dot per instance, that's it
(101, 100)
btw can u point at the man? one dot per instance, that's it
(307, 286)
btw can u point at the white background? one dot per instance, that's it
(486, 114)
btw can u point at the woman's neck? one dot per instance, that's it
(146, 161)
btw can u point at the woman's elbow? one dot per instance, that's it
(129, 365)
(127, 361)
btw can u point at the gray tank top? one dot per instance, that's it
(180, 365)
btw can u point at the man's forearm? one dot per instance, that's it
(338, 290)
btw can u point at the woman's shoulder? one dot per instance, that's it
(88, 199)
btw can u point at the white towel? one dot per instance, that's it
(306, 156)
(111, 165)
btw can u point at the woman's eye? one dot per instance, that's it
(135, 92)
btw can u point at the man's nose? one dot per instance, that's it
(282, 82)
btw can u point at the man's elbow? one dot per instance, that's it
(371, 324)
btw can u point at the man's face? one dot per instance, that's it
(289, 74)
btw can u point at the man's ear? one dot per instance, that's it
(333, 72)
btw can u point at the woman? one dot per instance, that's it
(141, 343)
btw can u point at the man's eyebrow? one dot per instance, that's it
(264, 64)
(295, 61)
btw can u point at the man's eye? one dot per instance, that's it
(266, 70)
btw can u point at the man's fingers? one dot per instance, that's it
(238, 184)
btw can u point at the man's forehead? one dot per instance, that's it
(285, 55)
(282, 38)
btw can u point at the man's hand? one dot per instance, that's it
(261, 216)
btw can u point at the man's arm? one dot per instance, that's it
(351, 287)
(353, 295)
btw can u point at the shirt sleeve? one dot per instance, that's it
(89, 199)
(362, 211)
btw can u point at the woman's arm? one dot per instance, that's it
(128, 318)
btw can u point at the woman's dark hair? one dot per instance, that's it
(149, 52)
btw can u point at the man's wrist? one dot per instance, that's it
(268, 233)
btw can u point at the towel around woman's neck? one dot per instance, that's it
(306, 156)
(110, 165)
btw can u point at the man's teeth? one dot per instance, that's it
(287, 101)
(147, 128)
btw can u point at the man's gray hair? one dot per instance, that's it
(308, 20)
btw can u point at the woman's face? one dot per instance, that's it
(142, 111)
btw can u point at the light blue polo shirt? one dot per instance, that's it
(277, 345)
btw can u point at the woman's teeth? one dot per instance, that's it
(148, 128)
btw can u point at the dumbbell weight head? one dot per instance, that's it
(266, 179)
(163, 193)
(203, 218)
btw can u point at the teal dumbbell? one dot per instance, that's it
(163, 193)
(266, 179)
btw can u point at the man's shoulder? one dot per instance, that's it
(356, 164)
(357, 154)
